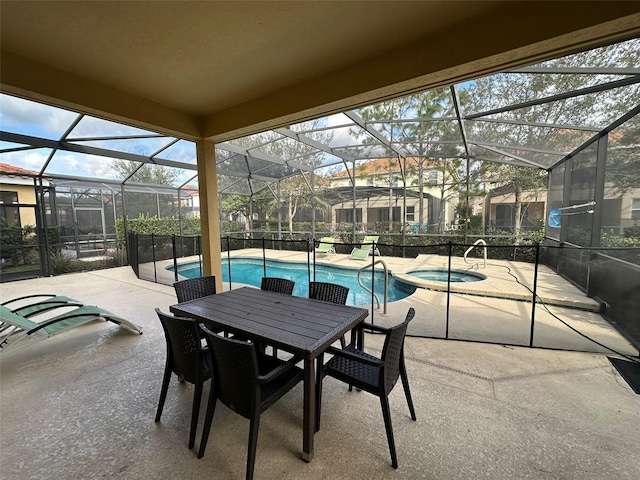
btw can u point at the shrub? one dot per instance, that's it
(632, 232)
(59, 263)
(157, 226)
(16, 242)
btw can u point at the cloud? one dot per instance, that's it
(182, 151)
(30, 159)
(29, 118)
(96, 127)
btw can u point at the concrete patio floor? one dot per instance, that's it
(82, 404)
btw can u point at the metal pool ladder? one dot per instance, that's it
(484, 249)
(386, 282)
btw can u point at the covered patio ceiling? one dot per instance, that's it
(288, 77)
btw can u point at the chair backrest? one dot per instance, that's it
(184, 345)
(325, 243)
(278, 285)
(328, 292)
(371, 239)
(193, 288)
(15, 319)
(393, 351)
(235, 373)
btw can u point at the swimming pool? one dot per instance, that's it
(250, 271)
(457, 276)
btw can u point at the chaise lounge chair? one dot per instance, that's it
(27, 307)
(326, 246)
(19, 323)
(367, 247)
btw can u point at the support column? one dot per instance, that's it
(209, 222)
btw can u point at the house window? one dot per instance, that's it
(504, 217)
(371, 182)
(433, 177)
(382, 215)
(396, 179)
(411, 214)
(9, 214)
(345, 215)
(635, 209)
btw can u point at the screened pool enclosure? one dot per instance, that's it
(544, 153)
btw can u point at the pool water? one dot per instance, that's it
(250, 271)
(442, 275)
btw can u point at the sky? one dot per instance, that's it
(34, 119)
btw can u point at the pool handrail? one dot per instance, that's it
(484, 248)
(386, 282)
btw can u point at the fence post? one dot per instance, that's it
(199, 249)
(175, 258)
(446, 331)
(309, 261)
(264, 258)
(229, 259)
(535, 287)
(153, 256)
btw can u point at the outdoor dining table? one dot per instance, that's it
(301, 326)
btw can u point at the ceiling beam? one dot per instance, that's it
(37, 81)
(37, 142)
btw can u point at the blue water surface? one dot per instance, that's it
(250, 271)
(442, 275)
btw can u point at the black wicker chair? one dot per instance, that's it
(248, 383)
(188, 359)
(278, 285)
(329, 292)
(193, 288)
(371, 374)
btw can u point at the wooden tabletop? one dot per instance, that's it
(299, 325)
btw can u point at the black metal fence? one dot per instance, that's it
(610, 275)
(613, 282)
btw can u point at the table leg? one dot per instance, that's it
(360, 336)
(309, 420)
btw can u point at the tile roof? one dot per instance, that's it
(378, 167)
(12, 171)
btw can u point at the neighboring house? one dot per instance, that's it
(17, 196)
(190, 201)
(379, 195)
(500, 208)
(618, 211)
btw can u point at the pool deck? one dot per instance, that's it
(500, 282)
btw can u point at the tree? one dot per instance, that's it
(413, 125)
(142, 203)
(293, 186)
(236, 205)
(623, 156)
(536, 131)
(146, 173)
